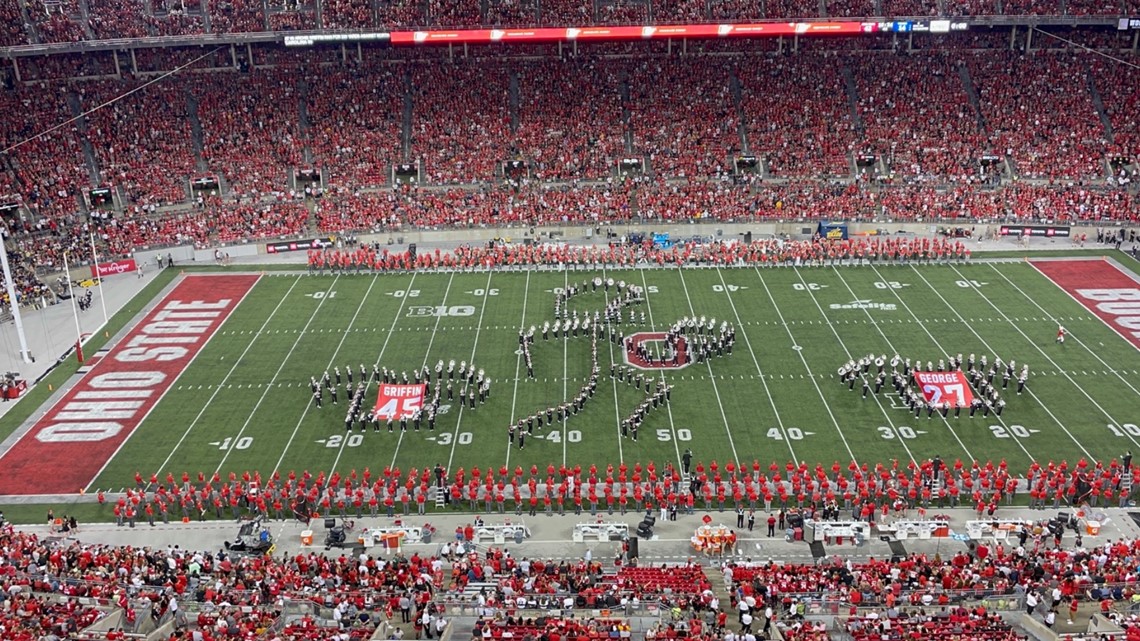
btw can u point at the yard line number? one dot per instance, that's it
(902, 432)
(1125, 429)
(1011, 431)
(242, 443)
(793, 434)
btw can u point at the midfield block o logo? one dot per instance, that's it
(654, 344)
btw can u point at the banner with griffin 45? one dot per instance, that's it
(399, 401)
(939, 388)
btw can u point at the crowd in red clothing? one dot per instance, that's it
(130, 19)
(1047, 125)
(462, 120)
(683, 118)
(975, 624)
(809, 131)
(345, 119)
(919, 119)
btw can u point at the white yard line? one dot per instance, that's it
(471, 361)
(807, 368)
(613, 383)
(280, 368)
(712, 378)
(937, 345)
(565, 380)
(1070, 336)
(379, 357)
(221, 385)
(886, 415)
(1028, 388)
(518, 365)
(427, 355)
(332, 360)
(759, 370)
(661, 372)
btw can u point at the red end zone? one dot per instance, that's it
(1103, 289)
(68, 446)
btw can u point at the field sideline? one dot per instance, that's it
(243, 403)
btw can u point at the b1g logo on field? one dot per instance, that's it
(641, 345)
(428, 311)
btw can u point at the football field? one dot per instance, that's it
(243, 402)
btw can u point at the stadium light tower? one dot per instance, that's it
(25, 353)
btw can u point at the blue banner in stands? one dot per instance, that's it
(832, 231)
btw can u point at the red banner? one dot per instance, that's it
(609, 34)
(939, 388)
(113, 267)
(399, 401)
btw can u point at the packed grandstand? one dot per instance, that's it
(996, 124)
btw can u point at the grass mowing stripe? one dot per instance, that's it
(989, 347)
(565, 380)
(280, 368)
(756, 362)
(221, 385)
(896, 431)
(803, 359)
(661, 372)
(937, 345)
(613, 383)
(474, 347)
(427, 355)
(518, 364)
(332, 359)
(1115, 372)
(712, 378)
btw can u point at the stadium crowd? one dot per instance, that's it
(894, 153)
(74, 21)
(62, 586)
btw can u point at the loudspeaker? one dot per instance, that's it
(644, 531)
(412, 251)
(330, 524)
(632, 554)
(747, 238)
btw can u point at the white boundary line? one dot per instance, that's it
(180, 374)
(427, 355)
(1073, 337)
(712, 377)
(661, 373)
(937, 346)
(471, 361)
(518, 364)
(233, 367)
(1077, 301)
(332, 359)
(984, 342)
(759, 370)
(284, 359)
(1082, 343)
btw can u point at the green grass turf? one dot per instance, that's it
(244, 404)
